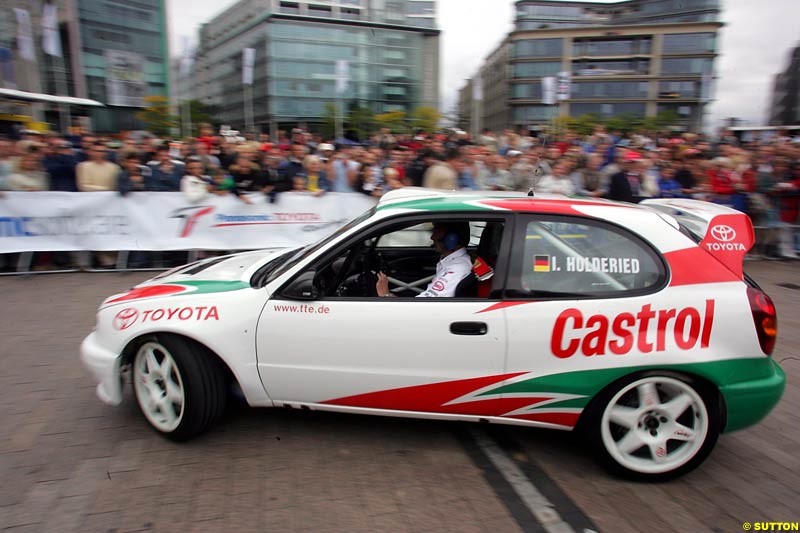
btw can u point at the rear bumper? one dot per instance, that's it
(748, 402)
(104, 365)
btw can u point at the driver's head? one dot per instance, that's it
(448, 237)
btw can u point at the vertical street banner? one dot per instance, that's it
(24, 35)
(9, 80)
(51, 39)
(477, 87)
(342, 75)
(248, 60)
(549, 90)
(126, 82)
(563, 86)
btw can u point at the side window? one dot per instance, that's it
(406, 253)
(561, 256)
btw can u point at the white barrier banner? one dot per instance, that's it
(63, 221)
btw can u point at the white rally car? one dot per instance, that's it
(634, 324)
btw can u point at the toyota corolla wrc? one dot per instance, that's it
(632, 324)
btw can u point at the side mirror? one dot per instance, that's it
(302, 288)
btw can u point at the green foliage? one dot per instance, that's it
(396, 121)
(156, 116)
(198, 114)
(329, 121)
(662, 121)
(426, 118)
(360, 121)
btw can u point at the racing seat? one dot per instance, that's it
(467, 287)
(486, 257)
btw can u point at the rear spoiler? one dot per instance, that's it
(725, 233)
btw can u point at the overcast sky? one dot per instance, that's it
(754, 45)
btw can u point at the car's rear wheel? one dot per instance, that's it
(654, 426)
(180, 389)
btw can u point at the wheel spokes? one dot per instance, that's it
(626, 417)
(631, 442)
(677, 405)
(152, 363)
(648, 395)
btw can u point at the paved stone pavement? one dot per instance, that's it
(70, 463)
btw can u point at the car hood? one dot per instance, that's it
(215, 274)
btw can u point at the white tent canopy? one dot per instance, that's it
(41, 97)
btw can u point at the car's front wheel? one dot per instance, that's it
(655, 426)
(180, 389)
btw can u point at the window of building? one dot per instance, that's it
(681, 43)
(420, 8)
(679, 89)
(611, 68)
(607, 110)
(576, 258)
(320, 11)
(350, 14)
(538, 48)
(395, 55)
(290, 8)
(612, 47)
(527, 90)
(694, 65)
(532, 113)
(685, 111)
(610, 89)
(111, 36)
(535, 70)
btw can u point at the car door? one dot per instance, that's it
(404, 354)
(569, 280)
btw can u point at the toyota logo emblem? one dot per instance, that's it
(126, 318)
(723, 233)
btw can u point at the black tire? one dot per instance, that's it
(202, 380)
(679, 456)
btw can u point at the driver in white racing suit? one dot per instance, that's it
(450, 240)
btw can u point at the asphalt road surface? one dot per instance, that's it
(70, 463)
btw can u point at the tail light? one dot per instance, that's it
(765, 318)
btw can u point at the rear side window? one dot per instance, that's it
(574, 258)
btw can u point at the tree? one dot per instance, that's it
(156, 116)
(198, 114)
(329, 121)
(426, 118)
(394, 120)
(360, 121)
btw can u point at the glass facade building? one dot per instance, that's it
(634, 57)
(384, 54)
(113, 52)
(135, 35)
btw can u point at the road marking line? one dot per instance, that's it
(541, 508)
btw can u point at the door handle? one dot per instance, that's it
(469, 328)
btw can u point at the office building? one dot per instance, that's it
(113, 52)
(309, 55)
(634, 57)
(785, 108)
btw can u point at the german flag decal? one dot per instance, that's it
(541, 263)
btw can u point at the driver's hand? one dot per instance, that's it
(382, 286)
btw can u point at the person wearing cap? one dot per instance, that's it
(625, 185)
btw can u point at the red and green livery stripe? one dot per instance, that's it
(750, 388)
(177, 289)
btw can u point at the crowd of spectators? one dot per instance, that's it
(761, 177)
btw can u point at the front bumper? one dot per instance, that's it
(750, 401)
(104, 365)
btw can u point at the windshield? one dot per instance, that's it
(278, 265)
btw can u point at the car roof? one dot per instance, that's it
(418, 198)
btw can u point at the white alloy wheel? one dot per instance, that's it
(654, 425)
(159, 386)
